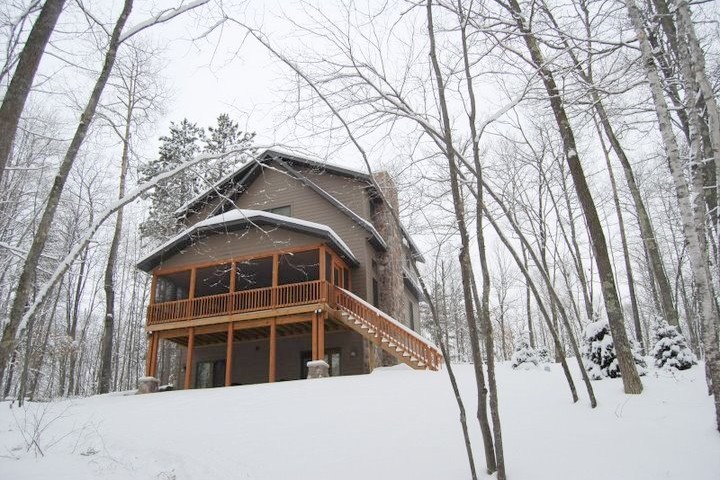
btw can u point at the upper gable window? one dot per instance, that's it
(284, 210)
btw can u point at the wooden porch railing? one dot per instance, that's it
(244, 301)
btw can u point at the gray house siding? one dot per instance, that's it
(273, 189)
(225, 246)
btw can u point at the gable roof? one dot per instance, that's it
(237, 220)
(246, 174)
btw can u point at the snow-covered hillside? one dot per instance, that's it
(395, 423)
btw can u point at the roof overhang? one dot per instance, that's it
(241, 219)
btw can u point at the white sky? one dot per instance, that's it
(228, 73)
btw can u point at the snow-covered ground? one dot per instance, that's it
(395, 423)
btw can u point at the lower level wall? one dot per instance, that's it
(251, 359)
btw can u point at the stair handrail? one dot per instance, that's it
(421, 348)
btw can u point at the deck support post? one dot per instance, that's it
(150, 340)
(189, 357)
(273, 351)
(315, 336)
(229, 355)
(321, 335)
(154, 347)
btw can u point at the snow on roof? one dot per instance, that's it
(248, 216)
(267, 153)
(308, 160)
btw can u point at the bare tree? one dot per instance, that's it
(19, 88)
(138, 99)
(693, 221)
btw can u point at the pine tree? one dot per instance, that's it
(543, 354)
(670, 349)
(182, 144)
(220, 138)
(524, 356)
(185, 141)
(599, 354)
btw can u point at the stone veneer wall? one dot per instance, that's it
(391, 288)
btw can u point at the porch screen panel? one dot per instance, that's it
(172, 287)
(253, 273)
(296, 268)
(253, 279)
(212, 284)
(299, 267)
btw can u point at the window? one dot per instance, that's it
(284, 210)
(375, 294)
(332, 358)
(210, 374)
(411, 315)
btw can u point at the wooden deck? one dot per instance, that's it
(318, 303)
(269, 299)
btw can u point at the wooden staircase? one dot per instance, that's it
(384, 331)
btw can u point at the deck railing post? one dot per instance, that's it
(191, 293)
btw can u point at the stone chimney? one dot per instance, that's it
(389, 263)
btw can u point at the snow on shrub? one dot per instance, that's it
(670, 349)
(599, 355)
(524, 356)
(543, 354)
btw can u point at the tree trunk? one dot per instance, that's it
(21, 83)
(466, 272)
(631, 379)
(625, 249)
(43, 231)
(692, 228)
(484, 304)
(106, 346)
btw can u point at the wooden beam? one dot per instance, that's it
(153, 288)
(315, 337)
(189, 357)
(191, 287)
(273, 351)
(241, 319)
(233, 274)
(321, 336)
(150, 345)
(154, 358)
(191, 293)
(229, 355)
(275, 276)
(322, 263)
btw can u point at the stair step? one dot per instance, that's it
(422, 364)
(414, 359)
(392, 345)
(385, 340)
(406, 354)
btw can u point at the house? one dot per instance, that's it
(283, 262)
